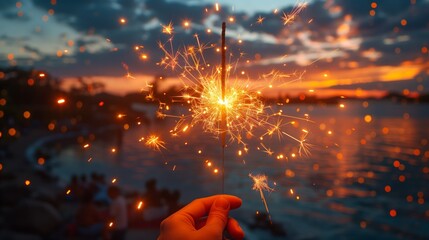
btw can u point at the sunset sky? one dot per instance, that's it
(333, 45)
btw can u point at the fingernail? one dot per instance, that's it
(222, 203)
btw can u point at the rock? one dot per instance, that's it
(34, 217)
(8, 235)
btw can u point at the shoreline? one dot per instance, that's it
(24, 181)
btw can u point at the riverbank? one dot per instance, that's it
(33, 203)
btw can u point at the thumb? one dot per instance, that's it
(218, 216)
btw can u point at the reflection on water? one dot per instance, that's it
(367, 176)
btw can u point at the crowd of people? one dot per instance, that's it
(105, 211)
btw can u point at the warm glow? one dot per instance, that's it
(41, 161)
(12, 132)
(186, 24)
(122, 20)
(368, 118)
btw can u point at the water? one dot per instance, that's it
(348, 188)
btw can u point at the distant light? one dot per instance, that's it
(42, 75)
(387, 188)
(61, 101)
(26, 114)
(393, 213)
(41, 161)
(231, 19)
(368, 118)
(12, 132)
(27, 182)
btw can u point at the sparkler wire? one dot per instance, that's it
(223, 115)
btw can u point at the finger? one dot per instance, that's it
(218, 217)
(234, 229)
(201, 207)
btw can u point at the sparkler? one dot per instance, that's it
(225, 106)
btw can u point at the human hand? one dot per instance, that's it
(191, 223)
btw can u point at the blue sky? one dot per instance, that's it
(335, 42)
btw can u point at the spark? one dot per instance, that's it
(140, 205)
(122, 20)
(290, 17)
(260, 20)
(168, 29)
(128, 75)
(155, 143)
(144, 56)
(186, 24)
(267, 150)
(260, 184)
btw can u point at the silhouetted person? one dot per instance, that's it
(117, 213)
(152, 195)
(89, 220)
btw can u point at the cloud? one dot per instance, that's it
(336, 35)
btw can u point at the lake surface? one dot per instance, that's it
(367, 175)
